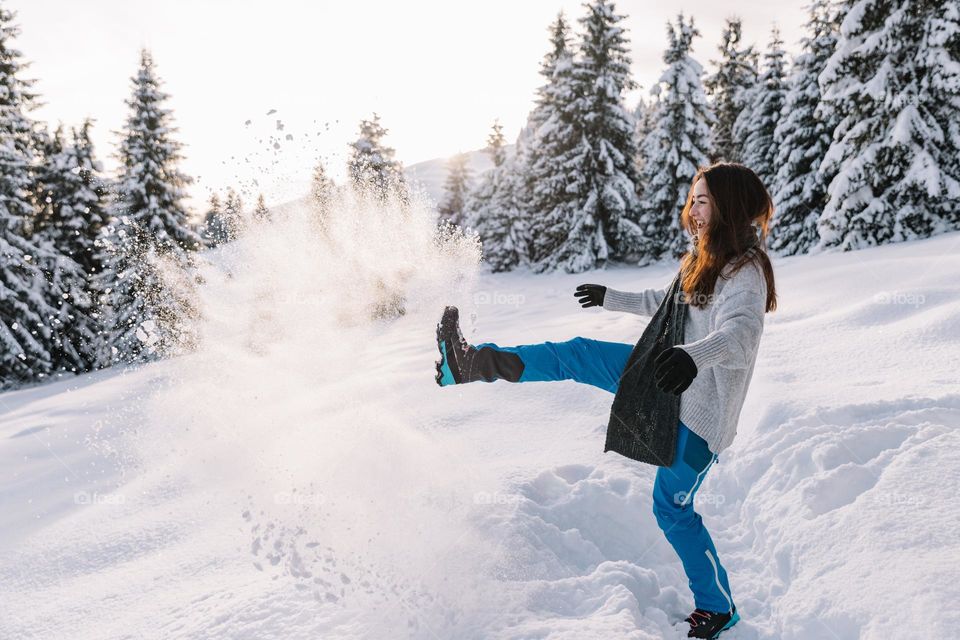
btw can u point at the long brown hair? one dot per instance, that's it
(741, 212)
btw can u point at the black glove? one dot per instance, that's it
(675, 370)
(590, 295)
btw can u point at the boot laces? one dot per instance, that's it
(695, 617)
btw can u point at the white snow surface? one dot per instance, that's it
(302, 476)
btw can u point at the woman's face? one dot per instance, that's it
(702, 207)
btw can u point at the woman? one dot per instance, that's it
(728, 285)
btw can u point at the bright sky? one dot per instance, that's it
(437, 71)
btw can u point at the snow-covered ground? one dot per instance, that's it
(302, 476)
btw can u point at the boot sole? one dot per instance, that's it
(444, 377)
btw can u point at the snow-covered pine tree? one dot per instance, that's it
(939, 53)
(233, 219)
(25, 309)
(27, 312)
(146, 296)
(68, 226)
(214, 226)
(643, 115)
(48, 177)
(74, 323)
(761, 117)
(43, 197)
(589, 147)
(151, 187)
(321, 187)
(602, 73)
(89, 188)
(802, 137)
(546, 98)
(727, 88)
(532, 189)
(371, 165)
(455, 190)
(16, 100)
(497, 150)
(261, 213)
(322, 193)
(676, 147)
(145, 285)
(70, 194)
(491, 210)
(523, 180)
(894, 82)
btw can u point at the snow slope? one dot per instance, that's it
(302, 476)
(428, 176)
(431, 175)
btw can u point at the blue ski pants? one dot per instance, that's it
(600, 364)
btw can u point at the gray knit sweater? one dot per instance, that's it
(722, 338)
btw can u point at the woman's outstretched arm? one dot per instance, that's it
(643, 303)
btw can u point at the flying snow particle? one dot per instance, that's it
(147, 333)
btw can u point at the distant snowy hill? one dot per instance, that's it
(302, 476)
(429, 174)
(432, 174)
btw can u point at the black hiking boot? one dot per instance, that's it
(461, 362)
(710, 624)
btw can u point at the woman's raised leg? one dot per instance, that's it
(583, 360)
(592, 362)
